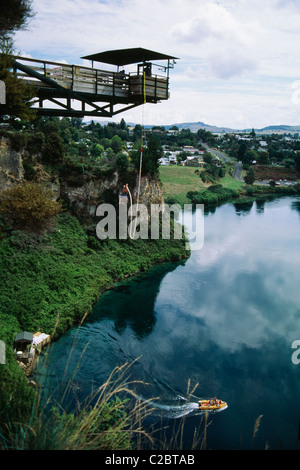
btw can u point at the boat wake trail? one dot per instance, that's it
(174, 411)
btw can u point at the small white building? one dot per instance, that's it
(173, 158)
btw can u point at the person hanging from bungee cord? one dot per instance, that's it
(124, 195)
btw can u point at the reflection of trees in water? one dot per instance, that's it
(209, 209)
(243, 208)
(260, 206)
(296, 206)
(131, 303)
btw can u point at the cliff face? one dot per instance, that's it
(85, 196)
(11, 165)
(150, 191)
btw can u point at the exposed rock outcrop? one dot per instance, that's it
(90, 191)
(11, 165)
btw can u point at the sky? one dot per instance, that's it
(238, 61)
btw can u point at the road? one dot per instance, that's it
(238, 171)
(238, 167)
(280, 183)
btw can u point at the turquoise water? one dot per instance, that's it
(225, 320)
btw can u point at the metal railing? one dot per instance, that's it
(93, 81)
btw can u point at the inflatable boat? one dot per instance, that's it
(212, 405)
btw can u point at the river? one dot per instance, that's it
(225, 319)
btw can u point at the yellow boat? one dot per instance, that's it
(212, 405)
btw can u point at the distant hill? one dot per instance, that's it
(282, 128)
(195, 126)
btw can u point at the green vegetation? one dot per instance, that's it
(104, 422)
(184, 184)
(214, 195)
(250, 176)
(18, 94)
(48, 281)
(177, 181)
(53, 268)
(69, 148)
(28, 205)
(14, 15)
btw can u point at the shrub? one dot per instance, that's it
(18, 141)
(28, 205)
(36, 142)
(215, 194)
(122, 161)
(54, 149)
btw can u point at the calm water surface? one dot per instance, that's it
(225, 319)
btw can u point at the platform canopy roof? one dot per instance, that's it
(127, 56)
(24, 336)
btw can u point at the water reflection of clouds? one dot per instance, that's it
(243, 284)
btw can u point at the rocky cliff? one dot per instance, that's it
(83, 194)
(11, 165)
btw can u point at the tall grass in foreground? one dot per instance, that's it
(111, 418)
(103, 422)
(174, 437)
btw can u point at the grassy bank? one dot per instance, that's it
(183, 186)
(178, 181)
(48, 282)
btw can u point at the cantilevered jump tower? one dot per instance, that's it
(77, 91)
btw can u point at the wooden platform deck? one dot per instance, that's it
(93, 81)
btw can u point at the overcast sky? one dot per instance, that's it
(239, 60)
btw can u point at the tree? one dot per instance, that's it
(18, 93)
(116, 144)
(250, 176)
(151, 155)
(249, 156)
(264, 158)
(123, 124)
(83, 149)
(208, 158)
(53, 151)
(137, 132)
(97, 150)
(297, 161)
(14, 15)
(122, 161)
(36, 142)
(28, 205)
(241, 151)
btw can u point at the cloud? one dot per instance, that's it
(237, 59)
(211, 21)
(218, 36)
(229, 63)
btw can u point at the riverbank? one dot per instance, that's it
(50, 281)
(250, 251)
(182, 185)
